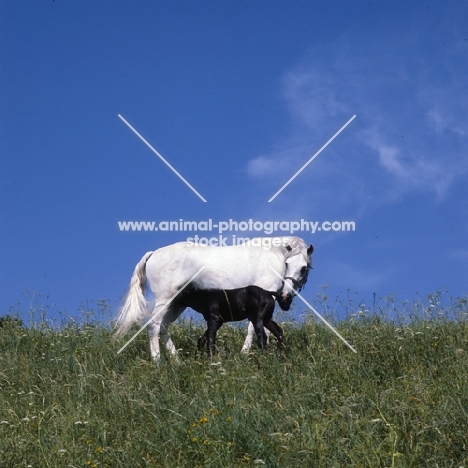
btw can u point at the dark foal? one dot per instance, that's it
(230, 305)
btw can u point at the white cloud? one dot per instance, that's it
(312, 97)
(410, 134)
(413, 168)
(459, 255)
(277, 165)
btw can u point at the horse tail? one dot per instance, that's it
(134, 307)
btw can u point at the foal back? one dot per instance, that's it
(231, 305)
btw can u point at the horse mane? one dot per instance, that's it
(295, 246)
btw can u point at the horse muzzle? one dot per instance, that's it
(285, 300)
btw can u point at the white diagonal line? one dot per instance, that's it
(312, 158)
(318, 315)
(162, 158)
(165, 307)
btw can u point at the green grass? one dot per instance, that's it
(68, 400)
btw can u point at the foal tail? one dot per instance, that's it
(134, 307)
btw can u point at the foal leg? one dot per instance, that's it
(204, 338)
(277, 331)
(214, 324)
(202, 341)
(249, 338)
(260, 332)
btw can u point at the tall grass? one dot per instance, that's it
(67, 399)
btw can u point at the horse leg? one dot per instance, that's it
(171, 315)
(248, 340)
(154, 327)
(157, 326)
(277, 331)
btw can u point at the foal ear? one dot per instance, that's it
(310, 249)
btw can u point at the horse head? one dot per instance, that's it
(298, 264)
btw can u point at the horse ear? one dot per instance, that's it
(310, 249)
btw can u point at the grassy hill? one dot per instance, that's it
(68, 400)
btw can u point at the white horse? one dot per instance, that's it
(272, 263)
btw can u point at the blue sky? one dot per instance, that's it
(237, 96)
